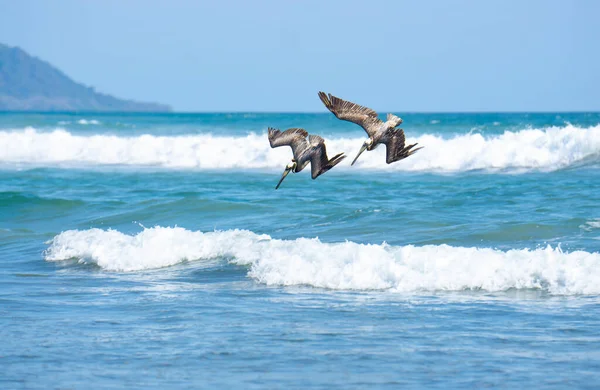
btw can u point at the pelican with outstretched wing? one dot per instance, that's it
(379, 132)
(311, 150)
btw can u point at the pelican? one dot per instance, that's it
(305, 151)
(379, 132)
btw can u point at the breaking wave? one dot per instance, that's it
(531, 149)
(347, 266)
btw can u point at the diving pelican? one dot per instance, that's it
(305, 151)
(379, 132)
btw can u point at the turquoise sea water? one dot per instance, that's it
(152, 251)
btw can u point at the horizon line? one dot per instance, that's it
(291, 112)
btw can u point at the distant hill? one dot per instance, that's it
(30, 84)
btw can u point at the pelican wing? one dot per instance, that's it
(315, 140)
(395, 143)
(295, 138)
(319, 162)
(352, 112)
(288, 137)
(318, 155)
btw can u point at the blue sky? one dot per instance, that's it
(275, 55)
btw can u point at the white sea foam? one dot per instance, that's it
(81, 122)
(589, 225)
(88, 122)
(345, 265)
(525, 150)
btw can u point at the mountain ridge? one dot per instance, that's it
(28, 83)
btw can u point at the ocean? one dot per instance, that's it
(152, 251)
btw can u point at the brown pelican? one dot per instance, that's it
(379, 132)
(305, 151)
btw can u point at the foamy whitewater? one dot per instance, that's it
(337, 266)
(153, 251)
(529, 149)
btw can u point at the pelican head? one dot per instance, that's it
(366, 146)
(288, 168)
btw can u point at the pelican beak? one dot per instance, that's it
(362, 149)
(285, 173)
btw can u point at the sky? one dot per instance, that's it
(275, 55)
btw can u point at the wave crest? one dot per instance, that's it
(345, 265)
(525, 150)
